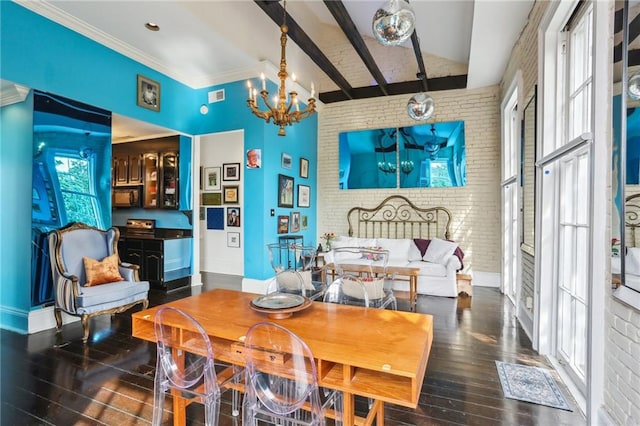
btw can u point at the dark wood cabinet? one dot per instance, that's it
(152, 166)
(162, 272)
(127, 169)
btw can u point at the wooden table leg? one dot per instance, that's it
(348, 409)
(179, 409)
(380, 414)
(413, 292)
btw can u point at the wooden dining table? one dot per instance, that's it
(374, 353)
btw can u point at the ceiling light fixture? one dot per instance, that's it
(420, 106)
(280, 112)
(393, 22)
(152, 26)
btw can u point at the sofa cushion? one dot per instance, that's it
(398, 248)
(110, 292)
(439, 251)
(102, 271)
(414, 252)
(429, 269)
(422, 245)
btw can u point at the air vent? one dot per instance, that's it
(216, 96)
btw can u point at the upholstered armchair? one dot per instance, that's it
(88, 277)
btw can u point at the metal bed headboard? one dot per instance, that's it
(632, 220)
(397, 217)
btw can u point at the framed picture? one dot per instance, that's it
(233, 216)
(148, 93)
(295, 221)
(215, 218)
(233, 239)
(304, 222)
(283, 224)
(230, 195)
(304, 196)
(211, 178)
(254, 158)
(304, 168)
(211, 199)
(231, 171)
(286, 161)
(285, 191)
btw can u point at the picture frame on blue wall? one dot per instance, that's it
(304, 196)
(304, 168)
(285, 191)
(148, 93)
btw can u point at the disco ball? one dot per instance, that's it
(420, 106)
(393, 22)
(633, 88)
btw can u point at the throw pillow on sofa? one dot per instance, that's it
(439, 251)
(101, 271)
(398, 248)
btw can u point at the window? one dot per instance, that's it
(77, 189)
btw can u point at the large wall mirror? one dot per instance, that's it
(528, 158)
(422, 156)
(625, 223)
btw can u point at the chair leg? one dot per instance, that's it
(85, 328)
(158, 395)
(57, 312)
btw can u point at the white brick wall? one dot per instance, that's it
(622, 324)
(475, 207)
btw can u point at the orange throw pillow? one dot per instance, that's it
(102, 272)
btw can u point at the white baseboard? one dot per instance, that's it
(250, 285)
(486, 279)
(196, 279)
(604, 419)
(43, 319)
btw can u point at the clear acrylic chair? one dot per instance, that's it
(361, 278)
(186, 364)
(281, 381)
(294, 265)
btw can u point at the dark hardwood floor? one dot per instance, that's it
(53, 379)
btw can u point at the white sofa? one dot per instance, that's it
(438, 265)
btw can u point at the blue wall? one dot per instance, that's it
(41, 54)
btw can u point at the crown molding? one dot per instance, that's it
(50, 11)
(55, 14)
(13, 94)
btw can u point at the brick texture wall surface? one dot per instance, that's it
(622, 324)
(475, 207)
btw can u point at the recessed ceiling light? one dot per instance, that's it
(151, 26)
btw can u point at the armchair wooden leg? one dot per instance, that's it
(85, 328)
(145, 304)
(57, 312)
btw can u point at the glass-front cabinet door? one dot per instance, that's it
(170, 180)
(150, 166)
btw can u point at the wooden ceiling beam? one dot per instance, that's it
(340, 14)
(422, 73)
(402, 88)
(297, 34)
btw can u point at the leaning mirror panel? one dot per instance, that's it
(423, 156)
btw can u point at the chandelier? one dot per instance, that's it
(387, 167)
(280, 111)
(432, 148)
(406, 166)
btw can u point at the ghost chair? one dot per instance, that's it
(281, 381)
(186, 367)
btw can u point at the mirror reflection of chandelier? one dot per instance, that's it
(386, 166)
(280, 111)
(406, 166)
(432, 147)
